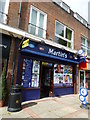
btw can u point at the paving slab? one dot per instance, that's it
(67, 106)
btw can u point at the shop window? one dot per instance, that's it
(85, 46)
(35, 74)
(62, 75)
(88, 49)
(87, 77)
(37, 22)
(30, 73)
(4, 4)
(63, 35)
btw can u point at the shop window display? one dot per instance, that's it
(35, 74)
(62, 75)
(30, 73)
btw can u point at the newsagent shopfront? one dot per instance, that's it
(45, 71)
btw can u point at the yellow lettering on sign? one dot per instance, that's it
(25, 43)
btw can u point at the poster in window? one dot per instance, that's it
(62, 75)
(26, 73)
(35, 74)
(58, 75)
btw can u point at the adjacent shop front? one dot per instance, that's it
(5, 43)
(84, 73)
(46, 71)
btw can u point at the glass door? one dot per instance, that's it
(81, 79)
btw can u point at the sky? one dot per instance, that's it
(79, 6)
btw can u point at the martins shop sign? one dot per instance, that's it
(38, 48)
(55, 53)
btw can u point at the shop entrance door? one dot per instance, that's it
(81, 79)
(46, 80)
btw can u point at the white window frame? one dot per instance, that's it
(82, 20)
(37, 22)
(65, 39)
(84, 78)
(85, 45)
(5, 11)
(66, 7)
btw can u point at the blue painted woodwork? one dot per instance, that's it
(49, 51)
(32, 94)
(62, 91)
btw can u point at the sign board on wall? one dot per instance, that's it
(85, 65)
(29, 46)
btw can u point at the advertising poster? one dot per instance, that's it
(26, 73)
(35, 74)
(62, 75)
(58, 75)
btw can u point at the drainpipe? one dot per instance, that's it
(15, 48)
(19, 13)
(14, 57)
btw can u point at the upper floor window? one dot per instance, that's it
(37, 22)
(62, 4)
(63, 35)
(4, 4)
(82, 20)
(85, 46)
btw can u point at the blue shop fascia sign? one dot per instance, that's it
(37, 48)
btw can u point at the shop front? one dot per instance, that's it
(84, 73)
(5, 43)
(45, 71)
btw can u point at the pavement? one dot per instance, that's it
(67, 106)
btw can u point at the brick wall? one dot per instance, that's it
(54, 13)
(13, 14)
(10, 62)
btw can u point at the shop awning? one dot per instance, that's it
(49, 56)
(47, 51)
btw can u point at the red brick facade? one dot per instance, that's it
(53, 13)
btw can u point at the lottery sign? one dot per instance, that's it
(83, 94)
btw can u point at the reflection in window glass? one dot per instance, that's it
(68, 34)
(82, 40)
(32, 29)
(62, 42)
(88, 52)
(33, 22)
(84, 50)
(34, 17)
(85, 46)
(88, 44)
(60, 29)
(41, 21)
(63, 35)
